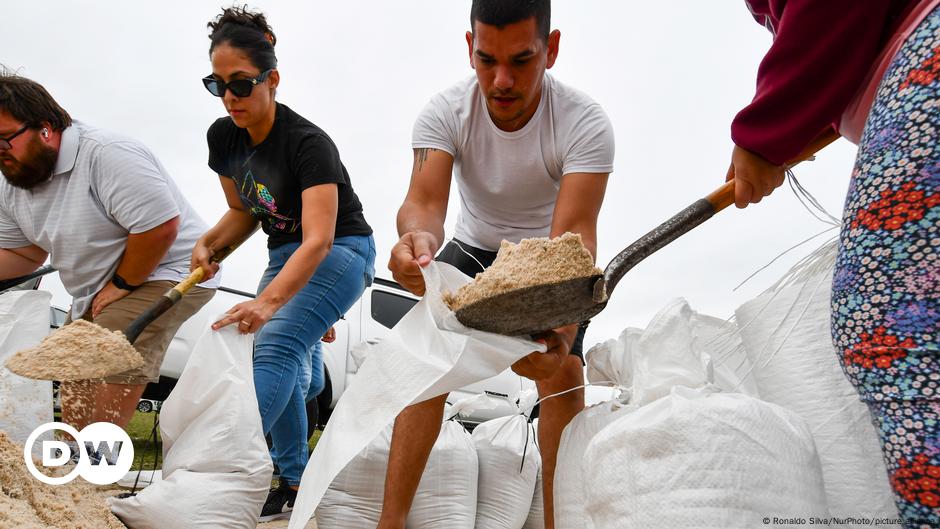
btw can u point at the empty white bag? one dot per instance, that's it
(25, 404)
(216, 466)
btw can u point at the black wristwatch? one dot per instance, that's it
(122, 284)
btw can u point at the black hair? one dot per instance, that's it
(501, 13)
(247, 31)
(27, 101)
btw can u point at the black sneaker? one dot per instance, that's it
(279, 504)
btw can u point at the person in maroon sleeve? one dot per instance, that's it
(871, 70)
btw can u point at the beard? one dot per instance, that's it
(33, 169)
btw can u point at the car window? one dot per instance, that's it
(388, 308)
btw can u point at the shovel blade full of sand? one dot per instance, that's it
(81, 350)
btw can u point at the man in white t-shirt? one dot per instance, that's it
(103, 209)
(531, 157)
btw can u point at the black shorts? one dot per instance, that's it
(456, 253)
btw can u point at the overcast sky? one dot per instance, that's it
(671, 75)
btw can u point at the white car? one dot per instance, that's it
(378, 310)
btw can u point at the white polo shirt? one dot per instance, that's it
(509, 181)
(104, 187)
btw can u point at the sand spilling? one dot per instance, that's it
(27, 503)
(80, 350)
(532, 262)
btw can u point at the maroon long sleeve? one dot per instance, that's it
(821, 53)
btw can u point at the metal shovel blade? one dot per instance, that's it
(534, 309)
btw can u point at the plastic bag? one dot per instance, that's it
(216, 466)
(428, 353)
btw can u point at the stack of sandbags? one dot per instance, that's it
(509, 467)
(786, 333)
(685, 454)
(446, 495)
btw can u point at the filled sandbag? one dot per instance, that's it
(536, 518)
(608, 363)
(446, 495)
(216, 466)
(699, 458)
(25, 404)
(786, 332)
(685, 454)
(568, 493)
(509, 468)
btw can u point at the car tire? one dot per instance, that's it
(145, 406)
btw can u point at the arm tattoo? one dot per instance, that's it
(421, 156)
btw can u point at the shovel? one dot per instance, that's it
(534, 309)
(131, 333)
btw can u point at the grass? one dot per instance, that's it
(144, 450)
(139, 430)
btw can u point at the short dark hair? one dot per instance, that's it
(247, 31)
(501, 13)
(27, 101)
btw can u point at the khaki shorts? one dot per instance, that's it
(154, 340)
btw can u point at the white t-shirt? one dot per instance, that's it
(509, 181)
(103, 187)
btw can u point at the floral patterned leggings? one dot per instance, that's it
(885, 310)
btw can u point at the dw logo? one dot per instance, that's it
(105, 453)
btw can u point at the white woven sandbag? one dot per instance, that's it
(354, 499)
(786, 332)
(509, 466)
(24, 404)
(216, 466)
(568, 490)
(536, 518)
(701, 459)
(446, 495)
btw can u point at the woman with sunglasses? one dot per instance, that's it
(283, 171)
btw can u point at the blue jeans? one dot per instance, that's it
(287, 361)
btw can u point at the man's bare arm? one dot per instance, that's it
(578, 206)
(421, 217)
(15, 262)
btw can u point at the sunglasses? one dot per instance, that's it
(239, 87)
(5, 144)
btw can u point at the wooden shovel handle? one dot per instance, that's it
(724, 195)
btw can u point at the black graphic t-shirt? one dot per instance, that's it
(270, 176)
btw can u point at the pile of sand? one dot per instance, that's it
(27, 503)
(80, 350)
(532, 262)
